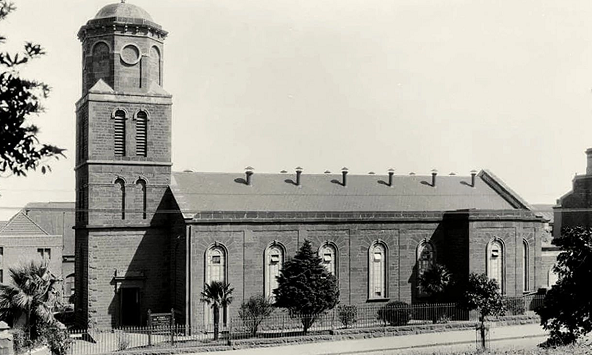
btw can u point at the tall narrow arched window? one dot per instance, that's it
(328, 255)
(377, 271)
(525, 266)
(141, 184)
(274, 259)
(426, 257)
(141, 134)
(120, 184)
(119, 133)
(215, 264)
(552, 277)
(495, 262)
(215, 270)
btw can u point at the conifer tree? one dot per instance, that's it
(305, 287)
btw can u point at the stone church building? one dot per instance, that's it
(149, 238)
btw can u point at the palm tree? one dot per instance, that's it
(218, 295)
(31, 296)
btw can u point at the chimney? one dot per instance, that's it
(249, 173)
(391, 172)
(589, 166)
(298, 173)
(473, 174)
(434, 173)
(344, 174)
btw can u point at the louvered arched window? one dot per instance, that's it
(141, 134)
(119, 133)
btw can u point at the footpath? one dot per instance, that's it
(529, 334)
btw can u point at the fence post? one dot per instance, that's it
(229, 342)
(149, 328)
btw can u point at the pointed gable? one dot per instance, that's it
(101, 87)
(20, 224)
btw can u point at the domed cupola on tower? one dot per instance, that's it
(123, 46)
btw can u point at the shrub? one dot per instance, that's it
(123, 340)
(395, 313)
(57, 339)
(347, 314)
(514, 306)
(21, 341)
(254, 311)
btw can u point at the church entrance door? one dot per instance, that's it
(130, 306)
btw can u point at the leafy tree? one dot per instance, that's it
(218, 295)
(305, 287)
(29, 300)
(567, 309)
(436, 281)
(254, 311)
(483, 295)
(20, 149)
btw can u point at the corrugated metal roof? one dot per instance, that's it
(205, 192)
(20, 224)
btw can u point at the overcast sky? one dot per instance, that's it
(369, 84)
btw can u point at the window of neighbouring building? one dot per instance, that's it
(45, 254)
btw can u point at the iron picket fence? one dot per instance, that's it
(280, 325)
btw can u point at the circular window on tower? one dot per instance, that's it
(130, 54)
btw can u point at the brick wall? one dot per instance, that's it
(460, 245)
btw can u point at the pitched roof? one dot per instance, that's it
(544, 210)
(20, 224)
(57, 218)
(208, 192)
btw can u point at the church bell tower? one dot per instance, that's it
(123, 167)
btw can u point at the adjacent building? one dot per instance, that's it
(149, 238)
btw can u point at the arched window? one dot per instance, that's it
(328, 255)
(525, 266)
(552, 277)
(141, 133)
(377, 271)
(274, 259)
(119, 183)
(215, 271)
(495, 262)
(141, 184)
(119, 133)
(101, 62)
(215, 264)
(425, 257)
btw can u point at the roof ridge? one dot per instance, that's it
(20, 213)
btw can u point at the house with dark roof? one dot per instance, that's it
(147, 238)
